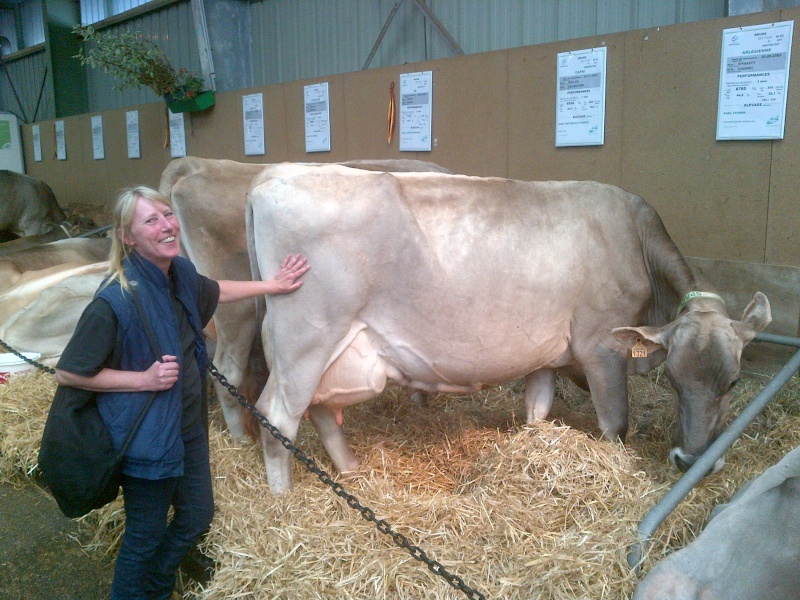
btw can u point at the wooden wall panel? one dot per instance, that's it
(531, 125)
(712, 196)
(783, 225)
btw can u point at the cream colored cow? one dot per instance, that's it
(209, 197)
(452, 283)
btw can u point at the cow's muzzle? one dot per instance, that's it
(684, 461)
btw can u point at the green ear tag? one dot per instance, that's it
(638, 350)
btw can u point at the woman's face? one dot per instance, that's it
(155, 233)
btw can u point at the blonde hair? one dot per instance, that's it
(124, 208)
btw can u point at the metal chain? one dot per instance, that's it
(28, 360)
(367, 513)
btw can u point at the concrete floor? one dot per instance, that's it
(38, 559)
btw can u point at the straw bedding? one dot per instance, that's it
(515, 511)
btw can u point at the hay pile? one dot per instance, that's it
(515, 511)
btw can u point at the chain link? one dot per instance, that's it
(27, 360)
(367, 513)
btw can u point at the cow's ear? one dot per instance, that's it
(755, 318)
(652, 338)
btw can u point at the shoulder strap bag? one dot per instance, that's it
(81, 468)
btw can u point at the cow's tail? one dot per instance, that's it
(255, 271)
(251, 425)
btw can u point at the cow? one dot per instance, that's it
(28, 206)
(450, 283)
(209, 199)
(750, 550)
(47, 322)
(32, 283)
(77, 251)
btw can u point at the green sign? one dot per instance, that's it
(5, 135)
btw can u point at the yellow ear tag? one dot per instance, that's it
(638, 350)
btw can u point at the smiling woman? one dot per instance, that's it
(154, 232)
(166, 464)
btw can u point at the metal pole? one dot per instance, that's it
(381, 35)
(96, 231)
(420, 4)
(706, 462)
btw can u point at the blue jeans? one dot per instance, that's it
(152, 548)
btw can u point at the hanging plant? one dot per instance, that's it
(135, 62)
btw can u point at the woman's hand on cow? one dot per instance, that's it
(287, 279)
(162, 374)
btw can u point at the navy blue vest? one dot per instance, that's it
(156, 451)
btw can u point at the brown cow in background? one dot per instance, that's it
(27, 206)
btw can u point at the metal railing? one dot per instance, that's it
(705, 463)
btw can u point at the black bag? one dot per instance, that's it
(77, 456)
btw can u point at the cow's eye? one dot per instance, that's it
(733, 384)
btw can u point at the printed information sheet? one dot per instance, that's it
(253, 116)
(132, 131)
(61, 141)
(318, 121)
(581, 98)
(37, 143)
(416, 108)
(753, 81)
(177, 135)
(98, 149)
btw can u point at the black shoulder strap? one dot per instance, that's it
(151, 337)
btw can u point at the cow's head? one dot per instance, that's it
(704, 350)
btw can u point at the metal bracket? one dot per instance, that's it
(425, 9)
(203, 44)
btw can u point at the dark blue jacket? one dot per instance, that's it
(156, 451)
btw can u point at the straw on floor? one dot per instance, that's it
(545, 511)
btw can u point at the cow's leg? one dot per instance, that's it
(332, 437)
(231, 410)
(419, 398)
(540, 390)
(607, 375)
(277, 459)
(236, 332)
(297, 371)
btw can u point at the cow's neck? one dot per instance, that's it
(671, 278)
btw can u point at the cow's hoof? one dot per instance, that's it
(684, 462)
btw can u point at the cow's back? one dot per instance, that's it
(209, 197)
(78, 251)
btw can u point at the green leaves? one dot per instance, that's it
(135, 61)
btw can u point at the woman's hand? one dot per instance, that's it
(287, 279)
(161, 375)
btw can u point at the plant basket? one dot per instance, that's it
(202, 101)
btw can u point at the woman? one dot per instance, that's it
(167, 464)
